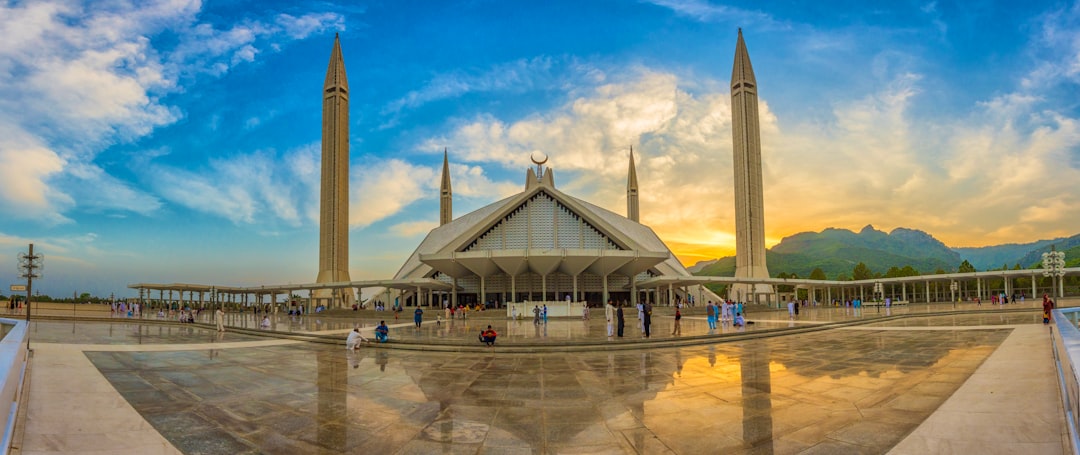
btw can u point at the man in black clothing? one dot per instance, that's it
(619, 318)
(648, 318)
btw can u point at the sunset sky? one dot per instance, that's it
(178, 141)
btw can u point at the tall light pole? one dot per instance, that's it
(1054, 266)
(30, 267)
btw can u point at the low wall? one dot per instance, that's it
(12, 374)
(67, 309)
(1067, 356)
(556, 309)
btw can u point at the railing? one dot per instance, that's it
(555, 308)
(1067, 357)
(13, 352)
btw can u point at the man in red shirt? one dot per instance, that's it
(488, 336)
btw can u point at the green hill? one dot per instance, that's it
(837, 251)
(991, 257)
(1071, 247)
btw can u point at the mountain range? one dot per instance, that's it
(837, 251)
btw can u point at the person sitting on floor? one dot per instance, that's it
(382, 332)
(488, 336)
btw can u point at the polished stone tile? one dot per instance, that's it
(835, 391)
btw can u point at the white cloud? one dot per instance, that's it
(382, 188)
(997, 172)
(517, 76)
(704, 11)
(76, 78)
(259, 187)
(413, 228)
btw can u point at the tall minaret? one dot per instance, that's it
(632, 190)
(334, 200)
(446, 195)
(749, 203)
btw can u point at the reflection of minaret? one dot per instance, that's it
(632, 190)
(334, 200)
(756, 398)
(446, 195)
(749, 202)
(332, 380)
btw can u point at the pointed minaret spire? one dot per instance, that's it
(632, 190)
(742, 71)
(335, 72)
(446, 195)
(749, 202)
(334, 189)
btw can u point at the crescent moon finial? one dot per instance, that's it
(537, 162)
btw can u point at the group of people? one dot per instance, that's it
(129, 309)
(723, 313)
(457, 312)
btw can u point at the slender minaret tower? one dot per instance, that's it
(446, 195)
(334, 200)
(749, 202)
(632, 190)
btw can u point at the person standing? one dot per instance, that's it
(219, 317)
(678, 320)
(609, 315)
(544, 313)
(641, 317)
(621, 320)
(791, 309)
(1048, 308)
(646, 318)
(418, 317)
(710, 314)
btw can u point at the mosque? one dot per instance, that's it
(543, 245)
(538, 246)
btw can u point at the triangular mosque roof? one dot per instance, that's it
(461, 232)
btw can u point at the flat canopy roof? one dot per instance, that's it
(406, 283)
(675, 281)
(569, 261)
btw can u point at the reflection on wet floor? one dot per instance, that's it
(126, 332)
(828, 392)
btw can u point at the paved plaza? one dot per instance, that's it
(903, 380)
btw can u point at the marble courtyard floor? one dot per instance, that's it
(916, 381)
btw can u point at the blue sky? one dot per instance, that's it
(178, 141)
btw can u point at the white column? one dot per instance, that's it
(604, 297)
(483, 293)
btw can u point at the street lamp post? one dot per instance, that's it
(1054, 266)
